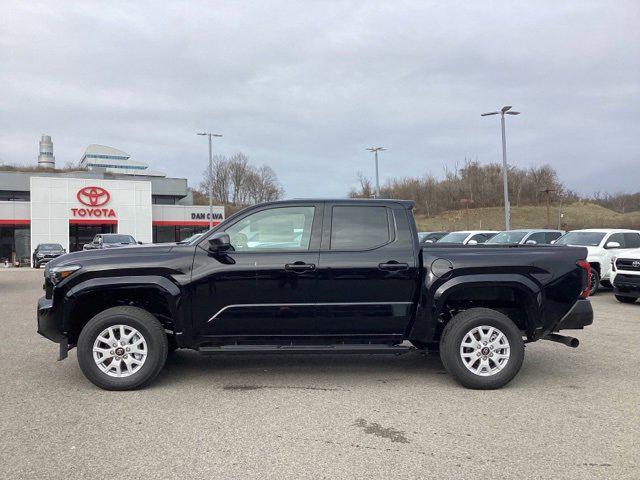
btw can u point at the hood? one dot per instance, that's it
(107, 255)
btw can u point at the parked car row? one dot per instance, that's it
(491, 237)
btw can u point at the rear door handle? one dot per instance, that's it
(299, 267)
(393, 266)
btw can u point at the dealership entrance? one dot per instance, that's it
(82, 233)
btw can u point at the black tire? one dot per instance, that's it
(451, 340)
(595, 281)
(623, 299)
(150, 328)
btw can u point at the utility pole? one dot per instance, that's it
(375, 151)
(504, 110)
(210, 179)
(548, 191)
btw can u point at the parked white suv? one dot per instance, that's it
(603, 244)
(625, 276)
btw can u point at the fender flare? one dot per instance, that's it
(528, 286)
(156, 282)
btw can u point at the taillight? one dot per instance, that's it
(587, 268)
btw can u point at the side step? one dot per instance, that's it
(335, 349)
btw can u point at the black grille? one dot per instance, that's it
(629, 264)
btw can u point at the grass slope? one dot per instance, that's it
(576, 215)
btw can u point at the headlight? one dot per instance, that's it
(40, 255)
(57, 274)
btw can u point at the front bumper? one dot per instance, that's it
(49, 328)
(48, 325)
(580, 315)
(626, 285)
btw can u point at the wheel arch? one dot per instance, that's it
(156, 295)
(516, 296)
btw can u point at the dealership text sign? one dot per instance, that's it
(93, 198)
(205, 216)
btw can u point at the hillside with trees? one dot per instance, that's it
(472, 194)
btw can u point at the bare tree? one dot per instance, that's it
(235, 181)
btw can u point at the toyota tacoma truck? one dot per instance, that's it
(625, 276)
(313, 276)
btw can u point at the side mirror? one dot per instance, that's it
(429, 241)
(139, 243)
(612, 245)
(530, 242)
(219, 242)
(472, 242)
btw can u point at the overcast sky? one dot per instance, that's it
(305, 86)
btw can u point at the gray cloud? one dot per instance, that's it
(306, 86)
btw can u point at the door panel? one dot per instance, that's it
(368, 292)
(268, 285)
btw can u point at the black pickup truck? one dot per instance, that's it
(313, 276)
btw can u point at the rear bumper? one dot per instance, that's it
(580, 315)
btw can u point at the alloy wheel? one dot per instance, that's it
(485, 350)
(120, 351)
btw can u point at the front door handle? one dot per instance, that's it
(299, 267)
(393, 266)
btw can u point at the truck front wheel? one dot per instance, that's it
(122, 348)
(482, 349)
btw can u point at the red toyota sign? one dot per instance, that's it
(93, 196)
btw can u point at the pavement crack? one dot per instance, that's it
(278, 387)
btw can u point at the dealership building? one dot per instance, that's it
(110, 194)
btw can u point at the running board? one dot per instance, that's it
(248, 349)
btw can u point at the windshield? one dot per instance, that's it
(118, 239)
(583, 239)
(454, 237)
(50, 246)
(507, 237)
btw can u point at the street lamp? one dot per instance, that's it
(502, 112)
(375, 150)
(208, 134)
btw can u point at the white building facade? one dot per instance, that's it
(70, 210)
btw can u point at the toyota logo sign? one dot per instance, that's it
(636, 264)
(93, 196)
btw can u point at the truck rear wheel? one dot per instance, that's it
(482, 349)
(122, 348)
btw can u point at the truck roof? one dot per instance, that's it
(405, 203)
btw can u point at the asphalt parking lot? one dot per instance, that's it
(570, 414)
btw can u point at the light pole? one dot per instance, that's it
(375, 151)
(210, 179)
(505, 181)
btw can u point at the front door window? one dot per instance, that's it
(276, 229)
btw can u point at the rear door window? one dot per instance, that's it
(359, 227)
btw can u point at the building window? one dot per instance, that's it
(15, 196)
(163, 200)
(14, 244)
